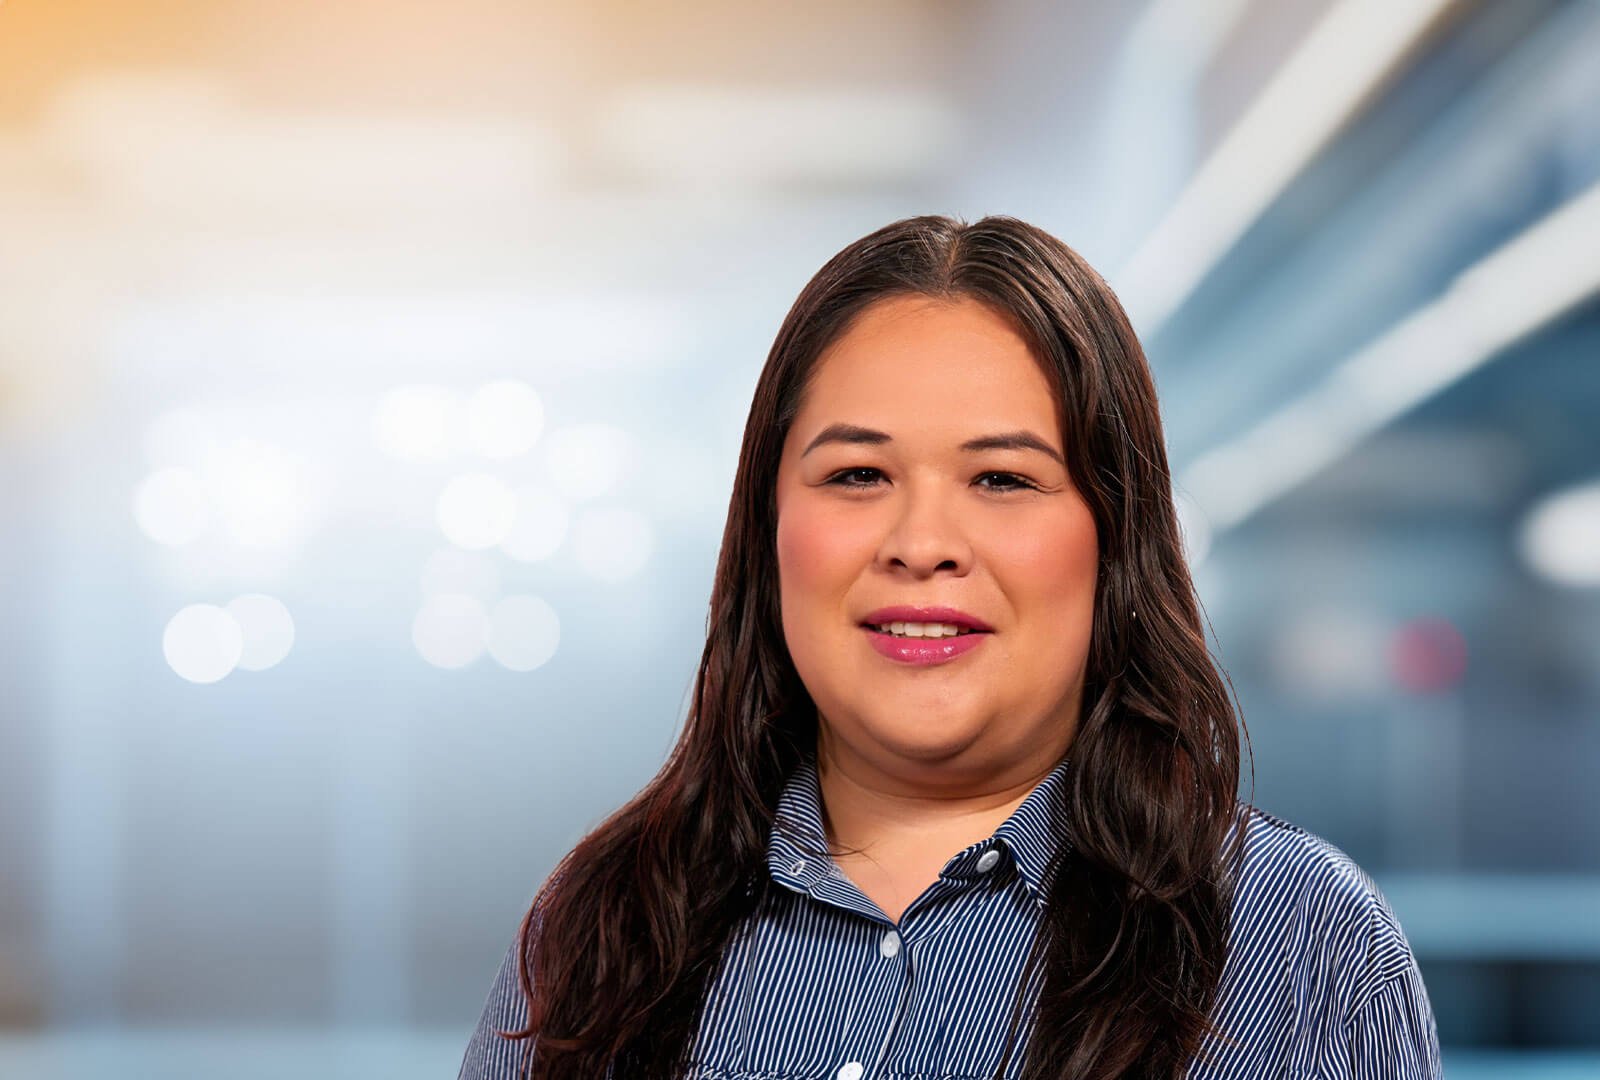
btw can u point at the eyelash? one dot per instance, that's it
(837, 479)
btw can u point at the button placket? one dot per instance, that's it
(887, 974)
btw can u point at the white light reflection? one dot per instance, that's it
(202, 643)
(419, 423)
(524, 632)
(171, 506)
(1331, 655)
(476, 510)
(266, 627)
(260, 492)
(612, 543)
(450, 630)
(1560, 538)
(504, 418)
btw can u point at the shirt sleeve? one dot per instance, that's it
(488, 1055)
(1393, 1035)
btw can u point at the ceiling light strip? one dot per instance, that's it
(1341, 65)
(1534, 278)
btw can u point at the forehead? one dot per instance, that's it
(923, 360)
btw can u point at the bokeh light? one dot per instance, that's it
(260, 492)
(1331, 655)
(524, 632)
(450, 630)
(203, 643)
(504, 418)
(171, 506)
(476, 510)
(1560, 537)
(419, 423)
(1428, 655)
(266, 627)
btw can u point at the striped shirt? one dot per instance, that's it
(820, 984)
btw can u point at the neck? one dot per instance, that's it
(893, 830)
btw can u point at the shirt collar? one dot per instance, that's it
(797, 853)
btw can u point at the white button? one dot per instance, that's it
(798, 868)
(850, 1070)
(987, 860)
(890, 945)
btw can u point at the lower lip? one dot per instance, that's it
(910, 650)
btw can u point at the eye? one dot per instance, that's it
(1008, 482)
(865, 476)
(839, 478)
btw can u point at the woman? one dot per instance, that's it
(957, 793)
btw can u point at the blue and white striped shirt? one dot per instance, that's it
(1319, 982)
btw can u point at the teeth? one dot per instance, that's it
(923, 630)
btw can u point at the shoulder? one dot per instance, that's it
(1305, 909)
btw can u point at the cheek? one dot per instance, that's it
(818, 557)
(1050, 568)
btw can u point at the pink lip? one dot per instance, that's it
(908, 613)
(923, 650)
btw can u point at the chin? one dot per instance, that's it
(925, 744)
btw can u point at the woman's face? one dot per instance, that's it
(888, 495)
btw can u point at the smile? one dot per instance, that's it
(923, 630)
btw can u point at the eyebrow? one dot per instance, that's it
(1005, 440)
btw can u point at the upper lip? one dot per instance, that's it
(908, 613)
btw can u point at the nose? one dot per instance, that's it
(926, 535)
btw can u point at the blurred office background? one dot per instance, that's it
(372, 377)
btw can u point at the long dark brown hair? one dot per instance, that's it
(621, 943)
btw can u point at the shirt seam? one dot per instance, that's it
(1372, 997)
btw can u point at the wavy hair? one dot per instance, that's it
(619, 947)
